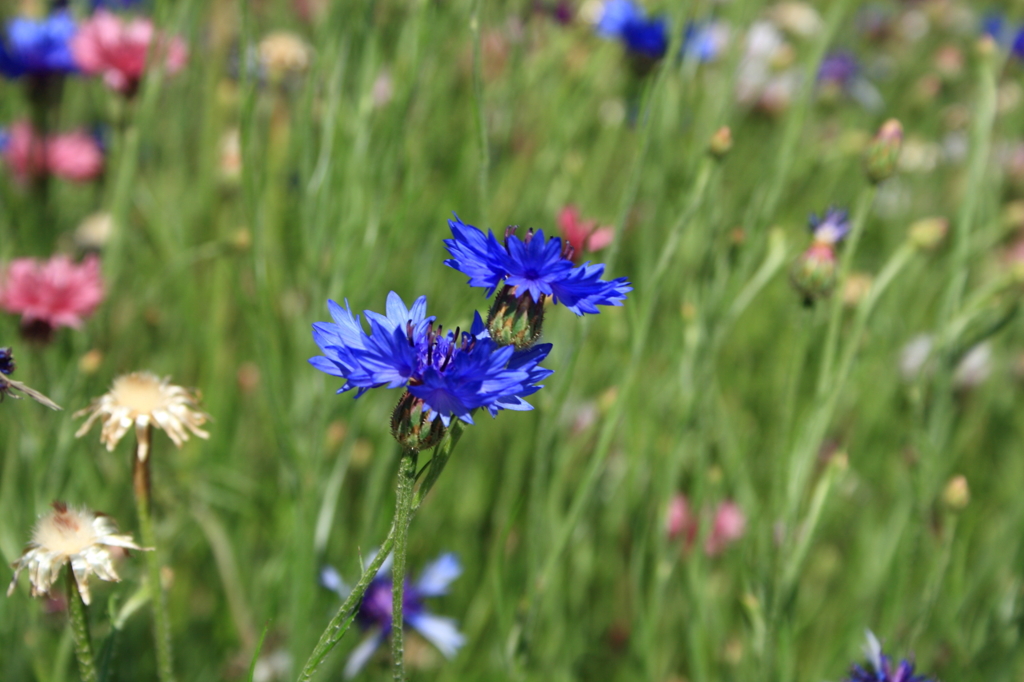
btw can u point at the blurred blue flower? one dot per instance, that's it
(880, 667)
(453, 374)
(532, 265)
(374, 613)
(38, 47)
(626, 20)
(839, 68)
(704, 41)
(7, 364)
(832, 227)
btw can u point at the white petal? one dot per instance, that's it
(441, 632)
(362, 653)
(873, 650)
(438, 575)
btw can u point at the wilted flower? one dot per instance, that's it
(532, 269)
(51, 294)
(70, 536)
(144, 400)
(880, 667)
(374, 614)
(625, 20)
(446, 375)
(583, 235)
(117, 49)
(38, 47)
(282, 53)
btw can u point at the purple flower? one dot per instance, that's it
(535, 266)
(880, 667)
(831, 228)
(38, 47)
(839, 68)
(374, 613)
(452, 373)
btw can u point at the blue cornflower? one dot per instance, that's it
(540, 267)
(838, 68)
(831, 228)
(880, 667)
(704, 41)
(7, 365)
(38, 47)
(446, 374)
(374, 614)
(642, 35)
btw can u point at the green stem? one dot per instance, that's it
(342, 620)
(481, 114)
(161, 618)
(80, 629)
(403, 515)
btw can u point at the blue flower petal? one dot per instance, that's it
(438, 575)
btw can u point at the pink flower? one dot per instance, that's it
(56, 293)
(24, 152)
(74, 156)
(117, 49)
(583, 235)
(727, 528)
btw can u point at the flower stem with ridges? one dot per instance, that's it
(80, 629)
(161, 618)
(403, 515)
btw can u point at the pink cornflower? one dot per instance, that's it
(583, 235)
(117, 49)
(51, 294)
(74, 156)
(728, 525)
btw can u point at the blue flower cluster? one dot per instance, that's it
(493, 366)
(625, 20)
(375, 615)
(38, 47)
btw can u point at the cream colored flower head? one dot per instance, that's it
(282, 53)
(143, 399)
(68, 535)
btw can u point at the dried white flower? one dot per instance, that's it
(68, 535)
(145, 400)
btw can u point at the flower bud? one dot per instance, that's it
(957, 493)
(814, 272)
(410, 426)
(927, 233)
(515, 320)
(720, 143)
(884, 150)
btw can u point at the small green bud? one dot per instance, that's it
(814, 272)
(884, 151)
(515, 320)
(410, 427)
(720, 143)
(927, 233)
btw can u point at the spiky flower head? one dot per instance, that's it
(70, 536)
(374, 613)
(880, 667)
(533, 270)
(144, 400)
(38, 47)
(451, 373)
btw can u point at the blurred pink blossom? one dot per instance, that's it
(24, 152)
(727, 528)
(74, 156)
(728, 525)
(583, 235)
(57, 292)
(117, 49)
